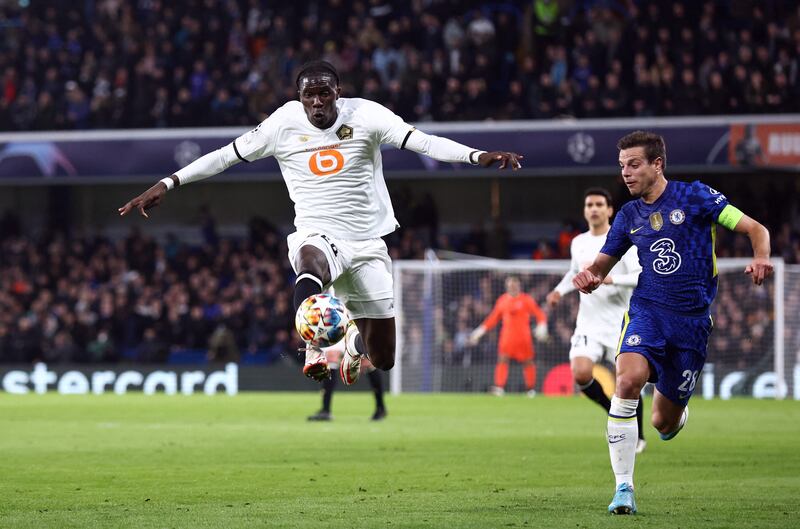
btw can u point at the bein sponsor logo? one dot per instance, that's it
(75, 382)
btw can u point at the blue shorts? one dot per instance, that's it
(674, 345)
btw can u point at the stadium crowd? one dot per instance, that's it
(151, 63)
(96, 300)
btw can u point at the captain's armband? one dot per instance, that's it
(730, 217)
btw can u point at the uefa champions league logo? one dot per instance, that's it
(186, 152)
(580, 147)
(47, 157)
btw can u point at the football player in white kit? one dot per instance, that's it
(328, 150)
(597, 328)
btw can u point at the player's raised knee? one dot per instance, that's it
(659, 422)
(663, 422)
(581, 376)
(384, 364)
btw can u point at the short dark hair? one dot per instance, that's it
(600, 192)
(315, 68)
(654, 146)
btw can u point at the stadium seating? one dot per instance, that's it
(131, 64)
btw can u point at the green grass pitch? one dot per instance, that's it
(438, 461)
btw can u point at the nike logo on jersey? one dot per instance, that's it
(637, 229)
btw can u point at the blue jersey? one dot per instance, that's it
(675, 241)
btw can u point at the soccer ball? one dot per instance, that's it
(321, 320)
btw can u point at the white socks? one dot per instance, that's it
(623, 433)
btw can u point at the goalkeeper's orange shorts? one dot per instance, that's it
(519, 351)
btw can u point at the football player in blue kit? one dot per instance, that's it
(666, 329)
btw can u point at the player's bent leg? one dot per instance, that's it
(582, 374)
(668, 417)
(581, 367)
(681, 424)
(354, 352)
(379, 339)
(313, 272)
(370, 337)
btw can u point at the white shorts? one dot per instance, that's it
(588, 347)
(361, 271)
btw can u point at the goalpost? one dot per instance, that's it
(438, 303)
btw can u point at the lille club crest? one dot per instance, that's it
(344, 132)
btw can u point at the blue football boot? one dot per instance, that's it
(623, 502)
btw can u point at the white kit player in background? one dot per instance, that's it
(328, 150)
(600, 315)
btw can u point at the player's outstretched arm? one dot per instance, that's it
(760, 268)
(147, 200)
(588, 280)
(540, 331)
(207, 165)
(491, 320)
(476, 335)
(447, 150)
(552, 299)
(505, 159)
(565, 286)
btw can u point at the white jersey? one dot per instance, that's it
(334, 176)
(600, 313)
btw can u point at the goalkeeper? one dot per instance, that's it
(515, 309)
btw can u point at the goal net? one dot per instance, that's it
(438, 304)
